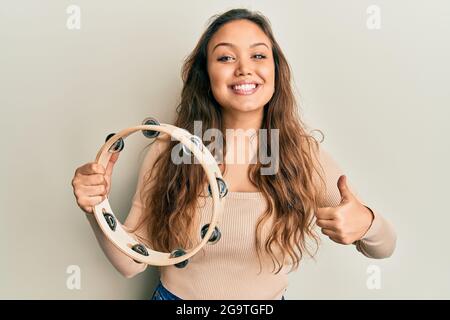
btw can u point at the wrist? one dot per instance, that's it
(370, 217)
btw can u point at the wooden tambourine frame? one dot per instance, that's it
(112, 228)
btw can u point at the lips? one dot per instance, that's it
(245, 88)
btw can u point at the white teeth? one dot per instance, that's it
(245, 87)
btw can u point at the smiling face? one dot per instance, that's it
(241, 67)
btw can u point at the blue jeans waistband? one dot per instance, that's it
(161, 293)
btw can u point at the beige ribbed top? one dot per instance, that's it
(230, 268)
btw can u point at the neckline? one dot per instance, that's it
(244, 195)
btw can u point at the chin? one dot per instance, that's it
(244, 108)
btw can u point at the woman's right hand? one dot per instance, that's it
(92, 182)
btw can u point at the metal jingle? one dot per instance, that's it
(197, 141)
(150, 133)
(139, 248)
(223, 189)
(117, 146)
(178, 253)
(110, 220)
(215, 237)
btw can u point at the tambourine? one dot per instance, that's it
(217, 189)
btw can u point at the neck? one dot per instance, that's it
(243, 120)
(241, 132)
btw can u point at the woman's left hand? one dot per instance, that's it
(349, 221)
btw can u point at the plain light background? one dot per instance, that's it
(380, 96)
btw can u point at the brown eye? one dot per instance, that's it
(222, 58)
(260, 55)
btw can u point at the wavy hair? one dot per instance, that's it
(292, 194)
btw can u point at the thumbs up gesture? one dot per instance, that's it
(349, 221)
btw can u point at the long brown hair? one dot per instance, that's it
(292, 194)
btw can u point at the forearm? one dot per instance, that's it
(124, 264)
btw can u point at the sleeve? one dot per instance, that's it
(380, 239)
(124, 264)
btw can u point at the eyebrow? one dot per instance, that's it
(232, 45)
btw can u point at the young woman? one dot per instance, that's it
(238, 78)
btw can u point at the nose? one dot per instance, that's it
(243, 69)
